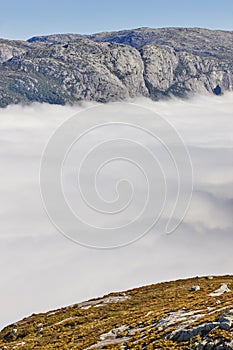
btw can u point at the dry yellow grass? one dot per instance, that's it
(76, 328)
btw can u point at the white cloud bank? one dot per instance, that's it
(40, 269)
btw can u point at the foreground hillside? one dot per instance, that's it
(155, 63)
(195, 313)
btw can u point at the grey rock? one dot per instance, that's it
(221, 290)
(103, 301)
(226, 320)
(195, 288)
(158, 60)
(187, 334)
(11, 48)
(113, 337)
(104, 67)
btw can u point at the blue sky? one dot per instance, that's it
(25, 18)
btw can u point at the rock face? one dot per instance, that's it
(113, 66)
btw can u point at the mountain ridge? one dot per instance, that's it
(113, 66)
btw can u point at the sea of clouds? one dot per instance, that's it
(41, 269)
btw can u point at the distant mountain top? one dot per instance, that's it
(155, 63)
(206, 42)
(195, 313)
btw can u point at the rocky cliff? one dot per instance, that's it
(195, 313)
(155, 63)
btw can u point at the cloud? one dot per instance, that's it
(41, 269)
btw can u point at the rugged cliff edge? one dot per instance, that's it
(156, 63)
(195, 313)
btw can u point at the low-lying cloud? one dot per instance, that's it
(41, 269)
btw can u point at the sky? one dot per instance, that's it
(24, 19)
(41, 269)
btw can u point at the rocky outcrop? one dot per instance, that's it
(182, 335)
(187, 334)
(106, 67)
(158, 60)
(72, 72)
(221, 290)
(226, 320)
(11, 48)
(103, 301)
(113, 337)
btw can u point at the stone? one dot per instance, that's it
(195, 288)
(223, 289)
(209, 277)
(226, 320)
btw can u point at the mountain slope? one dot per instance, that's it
(103, 67)
(184, 314)
(204, 42)
(201, 41)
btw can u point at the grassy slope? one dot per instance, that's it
(76, 328)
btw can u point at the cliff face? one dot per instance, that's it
(184, 314)
(113, 66)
